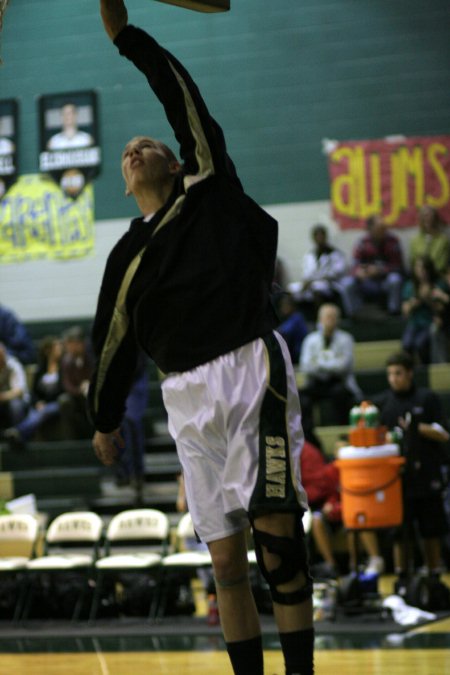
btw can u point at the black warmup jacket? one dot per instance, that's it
(194, 282)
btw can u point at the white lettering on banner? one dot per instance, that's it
(275, 466)
(64, 159)
(7, 165)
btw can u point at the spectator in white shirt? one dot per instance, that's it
(322, 268)
(327, 361)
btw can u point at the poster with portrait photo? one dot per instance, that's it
(8, 143)
(69, 143)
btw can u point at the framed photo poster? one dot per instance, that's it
(8, 143)
(69, 143)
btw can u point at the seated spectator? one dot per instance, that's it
(130, 469)
(321, 482)
(418, 307)
(440, 330)
(327, 361)
(322, 269)
(14, 336)
(76, 370)
(14, 397)
(293, 326)
(430, 240)
(377, 272)
(45, 393)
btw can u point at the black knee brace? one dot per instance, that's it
(293, 559)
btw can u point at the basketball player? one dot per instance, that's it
(190, 282)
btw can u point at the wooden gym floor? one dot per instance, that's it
(139, 650)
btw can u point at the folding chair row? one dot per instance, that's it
(135, 540)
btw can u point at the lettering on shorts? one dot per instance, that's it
(275, 466)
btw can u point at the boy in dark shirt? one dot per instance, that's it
(418, 412)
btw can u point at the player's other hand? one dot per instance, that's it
(114, 16)
(107, 446)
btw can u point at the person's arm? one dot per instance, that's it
(114, 16)
(16, 338)
(17, 382)
(309, 354)
(358, 261)
(441, 253)
(434, 431)
(201, 140)
(393, 261)
(434, 425)
(107, 445)
(337, 266)
(114, 346)
(409, 300)
(309, 267)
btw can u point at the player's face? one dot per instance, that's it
(399, 378)
(144, 163)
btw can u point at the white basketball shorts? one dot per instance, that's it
(236, 423)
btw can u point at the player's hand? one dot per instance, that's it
(114, 16)
(107, 446)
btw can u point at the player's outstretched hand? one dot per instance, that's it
(114, 16)
(107, 446)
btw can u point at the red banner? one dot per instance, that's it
(394, 177)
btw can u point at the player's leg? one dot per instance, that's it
(192, 402)
(282, 557)
(237, 609)
(276, 507)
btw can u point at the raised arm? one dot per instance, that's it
(114, 16)
(202, 145)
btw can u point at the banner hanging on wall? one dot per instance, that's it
(8, 143)
(70, 151)
(38, 220)
(393, 177)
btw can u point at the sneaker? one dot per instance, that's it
(375, 565)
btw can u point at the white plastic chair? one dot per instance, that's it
(17, 530)
(71, 544)
(184, 565)
(136, 541)
(186, 559)
(18, 533)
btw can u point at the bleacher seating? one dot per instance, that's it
(65, 474)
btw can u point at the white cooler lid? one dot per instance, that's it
(352, 452)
